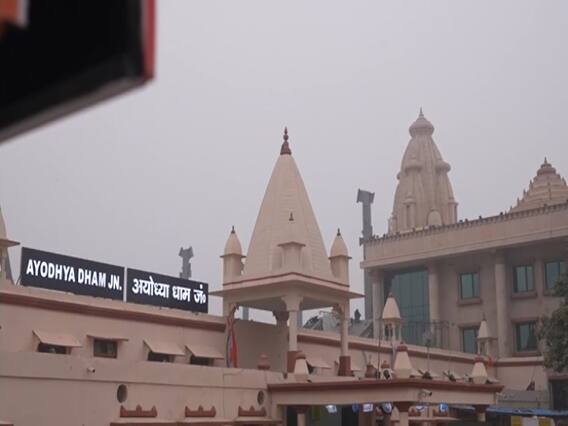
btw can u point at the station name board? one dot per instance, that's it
(161, 290)
(65, 273)
(84, 277)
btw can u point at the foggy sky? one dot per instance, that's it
(182, 160)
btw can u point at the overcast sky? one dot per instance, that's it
(178, 162)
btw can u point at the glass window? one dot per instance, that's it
(469, 339)
(526, 336)
(51, 349)
(154, 356)
(410, 289)
(104, 348)
(523, 279)
(552, 271)
(469, 285)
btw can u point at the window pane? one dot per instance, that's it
(524, 279)
(476, 285)
(530, 280)
(520, 279)
(526, 337)
(470, 340)
(552, 270)
(466, 286)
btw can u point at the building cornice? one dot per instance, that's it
(465, 223)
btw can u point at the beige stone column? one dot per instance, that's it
(403, 408)
(292, 307)
(501, 303)
(434, 292)
(378, 293)
(480, 412)
(301, 415)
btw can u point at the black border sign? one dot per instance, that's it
(71, 274)
(149, 288)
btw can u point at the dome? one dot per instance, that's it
(338, 248)
(233, 245)
(390, 311)
(546, 188)
(421, 126)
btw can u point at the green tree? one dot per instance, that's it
(553, 330)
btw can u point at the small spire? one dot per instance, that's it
(338, 232)
(233, 229)
(285, 149)
(421, 113)
(291, 218)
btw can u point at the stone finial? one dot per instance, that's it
(285, 148)
(263, 363)
(402, 366)
(479, 372)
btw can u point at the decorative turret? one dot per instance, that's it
(545, 189)
(484, 338)
(391, 320)
(402, 366)
(424, 195)
(232, 258)
(339, 259)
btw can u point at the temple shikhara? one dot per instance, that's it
(448, 333)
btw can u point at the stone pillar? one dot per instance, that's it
(501, 303)
(378, 299)
(344, 359)
(480, 412)
(434, 292)
(301, 415)
(403, 408)
(292, 307)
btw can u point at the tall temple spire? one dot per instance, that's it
(424, 195)
(286, 210)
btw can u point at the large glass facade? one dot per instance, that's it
(410, 289)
